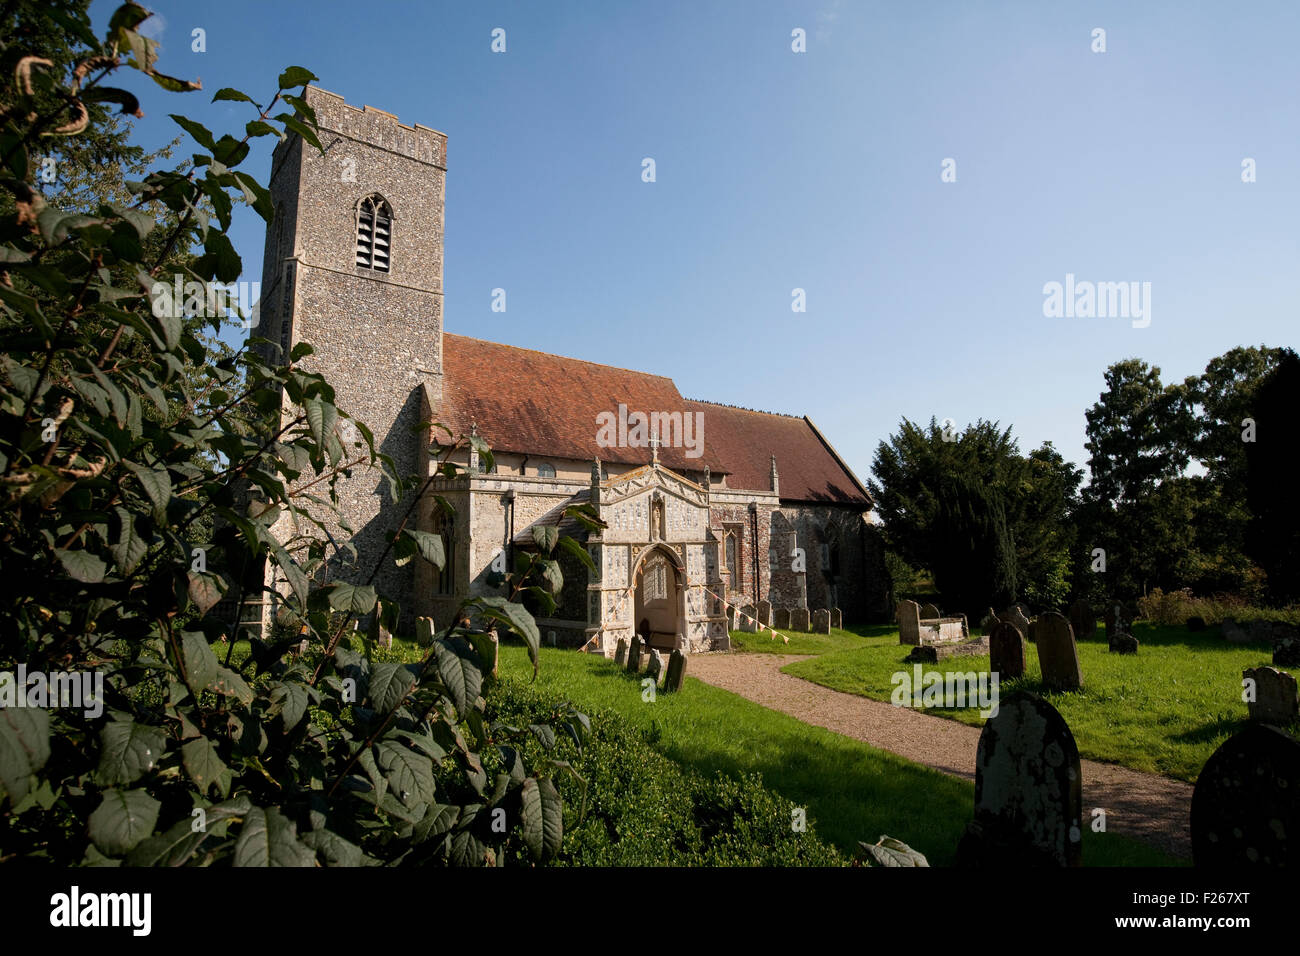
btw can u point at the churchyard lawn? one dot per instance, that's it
(1164, 710)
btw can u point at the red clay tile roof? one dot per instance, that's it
(547, 405)
(808, 467)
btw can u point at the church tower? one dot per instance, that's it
(353, 265)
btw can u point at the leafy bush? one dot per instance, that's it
(120, 434)
(639, 808)
(1173, 608)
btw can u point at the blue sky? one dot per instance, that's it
(821, 170)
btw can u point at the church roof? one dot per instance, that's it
(536, 403)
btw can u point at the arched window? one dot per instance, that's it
(545, 470)
(733, 562)
(374, 233)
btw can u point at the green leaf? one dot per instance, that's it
(321, 418)
(546, 535)
(178, 844)
(389, 684)
(81, 565)
(430, 546)
(289, 700)
(348, 597)
(268, 838)
(228, 93)
(230, 684)
(410, 774)
(24, 746)
(157, 485)
(578, 551)
(198, 131)
(542, 817)
(296, 76)
(553, 575)
(127, 751)
(332, 850)
(517, 619)
(458, 670)
(201, 665)
(122, 819)
(130, 548)
(204, 766)
(302, 129)
(890, 852)
(205, 590)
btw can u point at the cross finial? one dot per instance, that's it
(473, 429)
(655, 442)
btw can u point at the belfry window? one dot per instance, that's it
(374, 233)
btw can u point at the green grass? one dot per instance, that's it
(1164, 710)
(852, 791)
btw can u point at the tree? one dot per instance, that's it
(109, 461)
(1273, 535)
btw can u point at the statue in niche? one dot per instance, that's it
(657, 521)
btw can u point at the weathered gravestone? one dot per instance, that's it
(837, 618)
(655, 666)
(1113, 618)
(747, 619)
(929, 612)
(676, 672)
(799, 619)
(620, 652)
(634, 654)
(731, 617)
(1028, 790)
(1058, 657)
(1082, 620)
(423, 631)
(1006, 652)
(1032, 633)
(1244, 808)
(1014, 615)
(1123, 643)
(908, 616)
(988, 620)
(781, 618)
(821, 621)
(1276, 700)
(764, 613)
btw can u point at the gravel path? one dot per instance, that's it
(1145, 806)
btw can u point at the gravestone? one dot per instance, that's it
(385, 638)
(1286, 653)
(821, 621)
(424, 631)
(764, 613)
(988, 620)
(1028, 790)
(634, 654)
(799, 619)
(1276, 700)
(676, 672)
(1006, 652)
(1014, 615)
(908, 615)
(620, 652)
(781, 618)
(731, 617)
(1082, 620)
(746, 622)
(1123, 643)
(654, 667)
(1244, 807)
(1113, 618)
(1032, 634)
(929, 612)
(1058, 657)
(837, 618)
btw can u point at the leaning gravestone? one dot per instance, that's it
(747, 619)
(929, 612)
(1276, 700)
(620, 652)
(1006, 652)
(1244, 807)
(908, 616)
(764, 613)
(781, 618)
(1082, 620)
(1014, 615)
(655, 667)
(821, 621)
(837, 618)
(634, 654)
(676, 672)
(1058, 657)
(1028, 790)
(1123, 643)
(799, 619)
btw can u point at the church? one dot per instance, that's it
(708, 509)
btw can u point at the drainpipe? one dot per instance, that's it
(510, 541)
(753, 530)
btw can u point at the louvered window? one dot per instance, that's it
(374, 234)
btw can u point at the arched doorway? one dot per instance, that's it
(659, 599)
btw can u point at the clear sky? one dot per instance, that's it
(821, 170)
